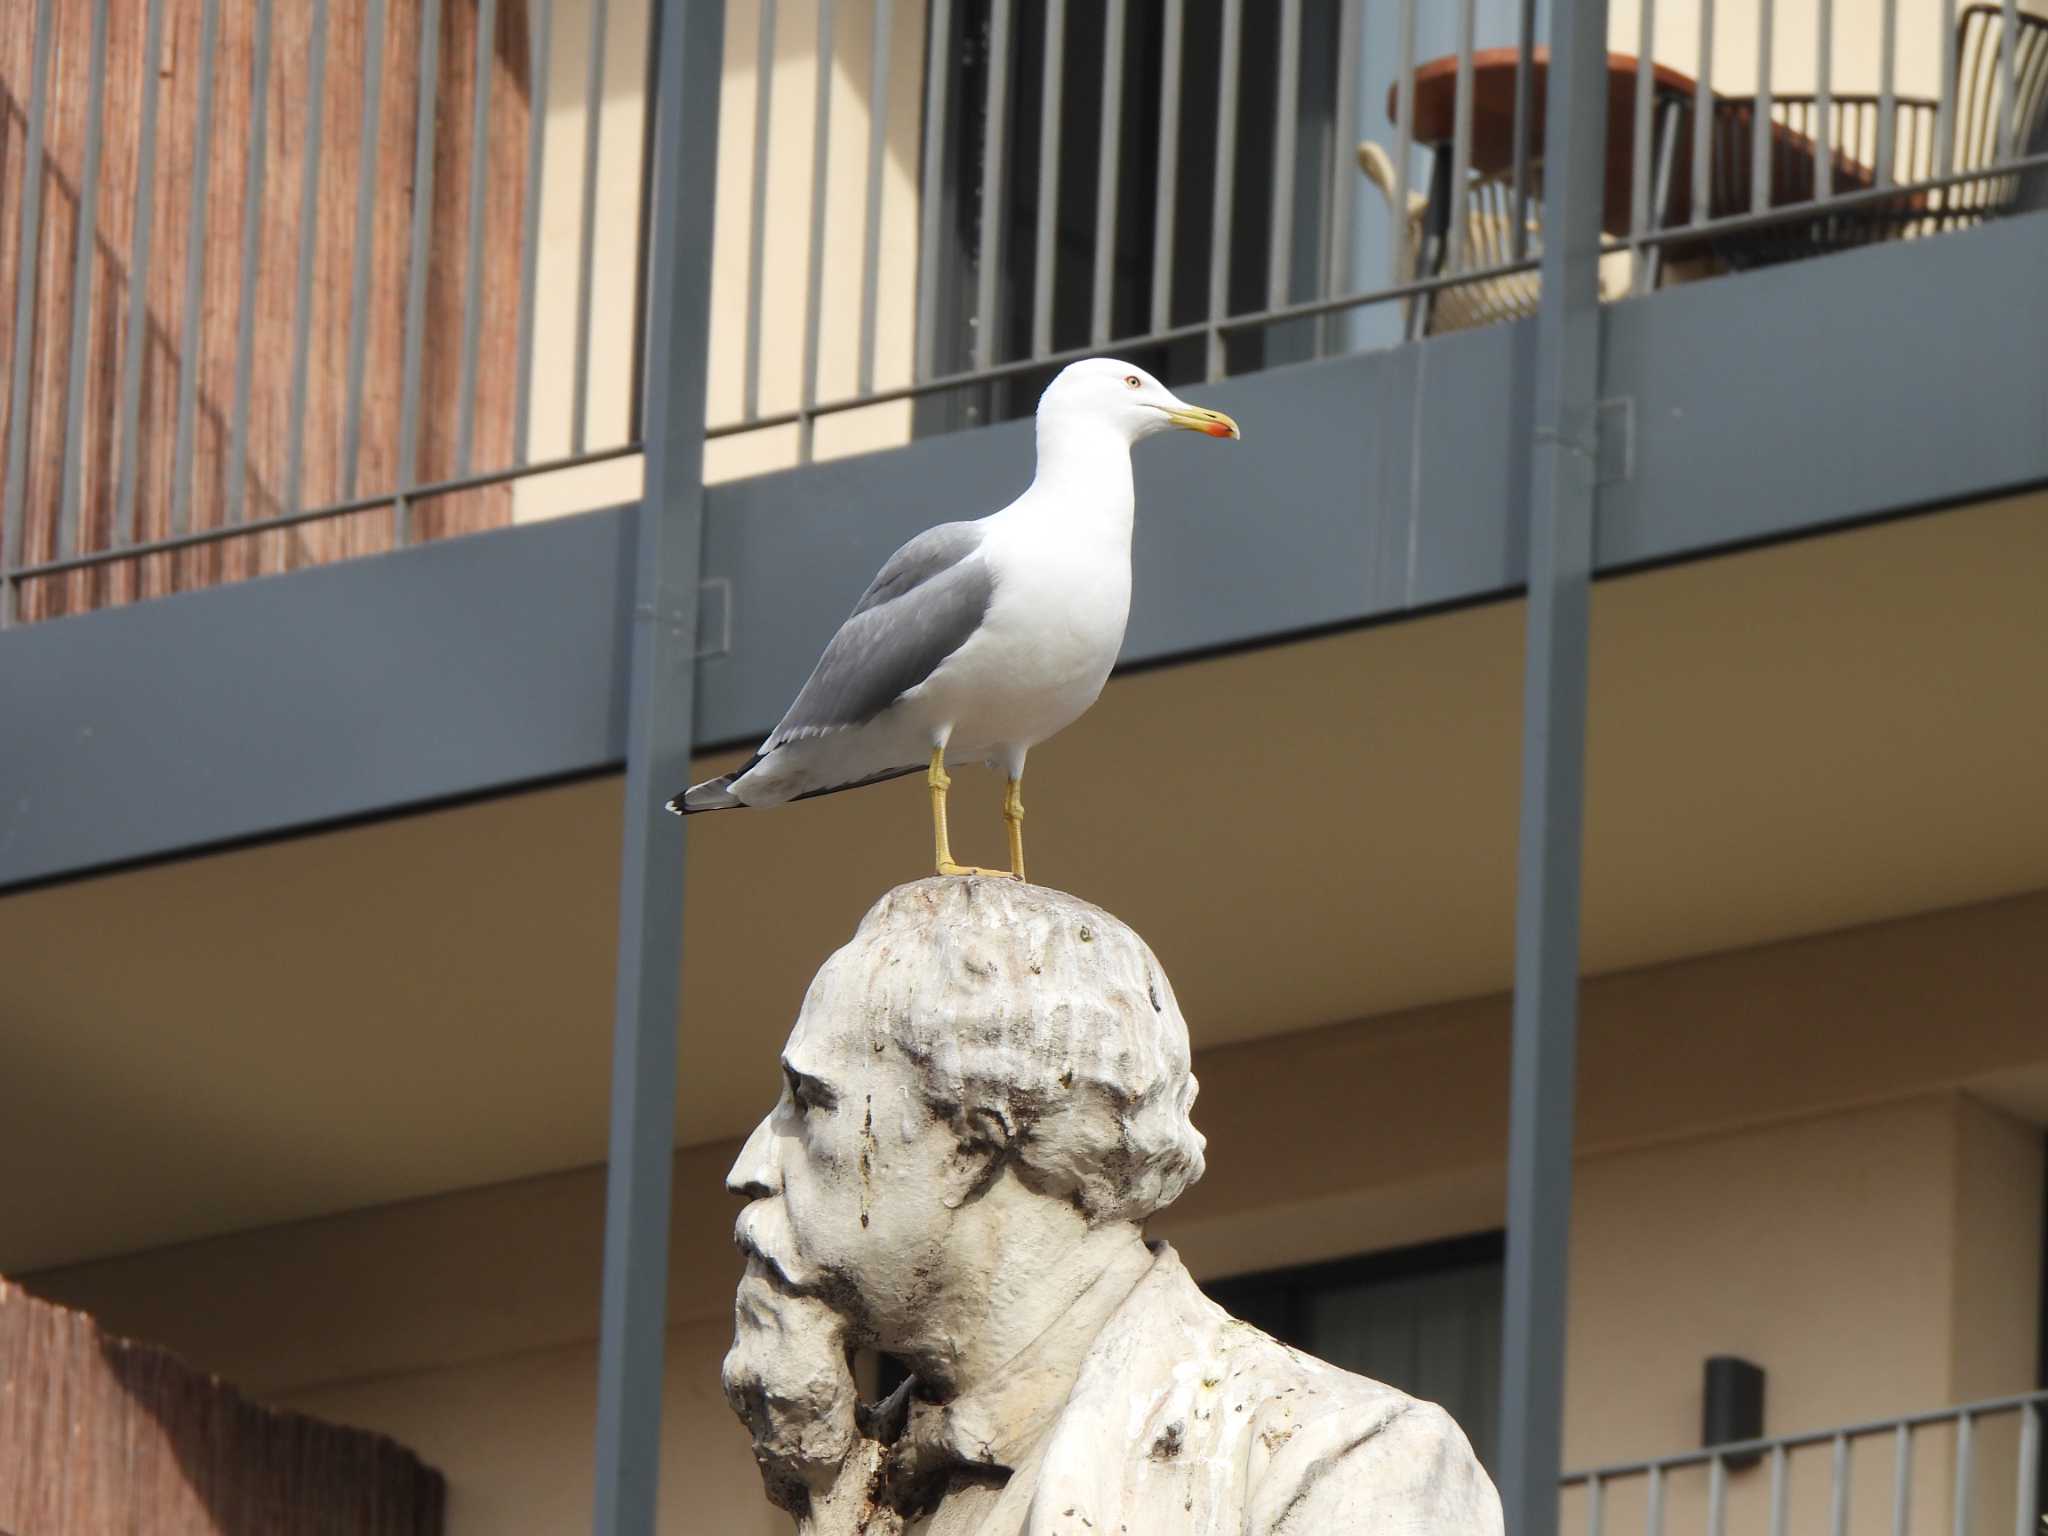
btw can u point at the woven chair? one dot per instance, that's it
(1489, 226)
(1855, 124)
(1980, 98)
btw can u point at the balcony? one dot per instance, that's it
(263, 307)
(1976, 1467)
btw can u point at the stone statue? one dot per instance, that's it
(986, 1094)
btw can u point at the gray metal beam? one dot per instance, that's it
(479, 664)
(1564, 457)
(660, 714)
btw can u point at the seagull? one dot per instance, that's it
(980, 639)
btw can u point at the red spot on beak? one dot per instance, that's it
(1217, 429)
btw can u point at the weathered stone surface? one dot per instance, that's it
(986, 1094)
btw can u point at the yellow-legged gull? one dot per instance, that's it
(979, 640)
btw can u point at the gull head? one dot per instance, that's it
(1126, 399)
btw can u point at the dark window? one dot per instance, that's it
(1426, 1320)
(966, 181)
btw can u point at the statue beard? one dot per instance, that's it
(788, 1379)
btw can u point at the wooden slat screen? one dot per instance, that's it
(221, 228)
(99, 1434)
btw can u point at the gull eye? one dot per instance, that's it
(1132, 380)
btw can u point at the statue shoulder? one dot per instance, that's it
(1335, 1453)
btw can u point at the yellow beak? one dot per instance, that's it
(1211, 423)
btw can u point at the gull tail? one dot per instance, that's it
(712, 795)
(715, 794)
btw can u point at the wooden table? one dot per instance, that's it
(1792, 155)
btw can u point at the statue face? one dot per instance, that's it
(849, 1178)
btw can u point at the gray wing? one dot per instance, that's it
(919, 610)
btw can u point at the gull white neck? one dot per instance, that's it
(1084, 466)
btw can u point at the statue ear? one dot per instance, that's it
(983, 1142)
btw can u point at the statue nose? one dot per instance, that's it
(754, 1175)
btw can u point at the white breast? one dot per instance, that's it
(1054, 627)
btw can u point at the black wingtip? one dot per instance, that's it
(675, 806)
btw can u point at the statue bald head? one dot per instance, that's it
(1031, 1019)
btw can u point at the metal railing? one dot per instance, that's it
(1937, 1473)
(382, 297)
(270, 265)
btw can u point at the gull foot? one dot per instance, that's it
(948, 867)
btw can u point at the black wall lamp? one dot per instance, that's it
(1732, 1406)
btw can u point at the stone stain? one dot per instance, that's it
(1168, 1445)
(1275, 1437)
(867, 1164)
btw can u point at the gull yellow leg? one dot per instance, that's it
(940, 781)
(1013, 816)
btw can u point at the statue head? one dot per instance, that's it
(984, 1059)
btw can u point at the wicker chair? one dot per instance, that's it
(1980, 39)
(1489, 226)
(1855, 123)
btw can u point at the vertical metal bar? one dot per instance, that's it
(643, 230)
(1760, 124)
(473, 259)
(1653, 1504)
(1562, 454)
(366, 223)
(1703, 120)
(416, 272)
(1046, 252)
(81, 286)
(195, 272)
(757, 221)
(1717, 1497)
(1945, 96)
(1102, 292)
(1461, 142)
(1225, 188)
(252, 244)
(1595, 1514)
(137, 341)
(814, 271)
(28, 264)
(1902, 1480)
(878, 144)
(1286, 112)
(1838, 1489)
(309, 223)
(995, 125)
(660, 688)
(1887, 93)
(1965, 1458)
(2008, 81)
(1646, 93)
(2025, 1521)
(1824, 104)
(1343, 170)
(1525, 88)
(586, 249)
(1164, 207)
(1778, 1491)
(938, 73)
(1404, 146)
(539, 50)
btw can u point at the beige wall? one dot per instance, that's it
(786, 246)
(1856, 59)
(1774, 1159)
